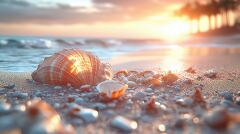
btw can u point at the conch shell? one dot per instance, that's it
(73, 66)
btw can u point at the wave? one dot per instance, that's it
(26, 44)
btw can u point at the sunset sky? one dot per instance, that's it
(95, 18)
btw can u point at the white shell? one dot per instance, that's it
(112, 89)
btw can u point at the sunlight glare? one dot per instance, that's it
(176, 29)
(173, 61)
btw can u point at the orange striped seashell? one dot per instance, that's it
(73, 66)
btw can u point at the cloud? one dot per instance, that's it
(20, 11)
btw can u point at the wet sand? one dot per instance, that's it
(225, 62)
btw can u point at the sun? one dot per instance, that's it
(175, 29)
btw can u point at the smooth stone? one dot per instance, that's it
(149, 90)
(20, 95)
(139, 96)
(180, 123)
(38, 94)
(185, 102)
(1, 89)
(131, 84)
(4, 107)
(238, 93)
(57, 88)
(227, 95)
(20, 108)
(61, 94)
(56, 105)
(238, 101)
(99, 106)
(79, 100)
(88, 115)
(216, 118)
(10, 86)
(226, 103)
(161, 127)
(124, 124)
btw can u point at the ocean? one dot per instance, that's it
(23, 54)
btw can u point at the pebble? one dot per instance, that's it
(227, 95)
(10, 86)
(185, 102)
(61, 94)
(20, 107)
(226, 103)
(19, 95)
(180, 123)
(217, 118)
(148, 74)
(88, 115)
(139, 96)
(57, 88)
(4, 107)
(123, 79)
(149, 90)
(2, 89)
(238, 101)
(79, 100)
(131, 84)
(132, 77)
(161, 127)
(211, 74)
(99, 106)
(38, 94)
(56, 105)
(124, 124)
(238, 93)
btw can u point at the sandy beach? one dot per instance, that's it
(174, 114)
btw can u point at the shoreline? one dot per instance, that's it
(174, 107)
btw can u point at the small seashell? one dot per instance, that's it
(197, 97)
(112, 89)
(73, 66)
(190, 70)
(124, 124)
(169, 78)
(85, 88)
(211, 74)
(147, 74)
(152, 105)
(121, 73)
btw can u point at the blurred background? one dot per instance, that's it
(33, 29)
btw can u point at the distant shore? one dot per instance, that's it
(224, 31)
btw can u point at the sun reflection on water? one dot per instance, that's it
(173, 60)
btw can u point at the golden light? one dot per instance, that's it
(173, 60)
(79, 64)
(176, 29)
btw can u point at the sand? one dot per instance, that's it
(225, 62)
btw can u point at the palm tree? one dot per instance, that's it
(192, 11)
(213, 10)
(226, 6)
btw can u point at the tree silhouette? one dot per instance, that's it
(195, 10)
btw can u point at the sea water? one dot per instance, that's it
(23, 54)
